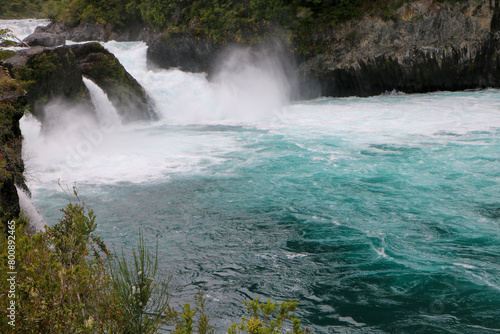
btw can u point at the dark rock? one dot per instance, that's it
(182, 51)
(48, 74)
(86, 31)
(44, 39)
(12, 104)
(56, 73)
(126, 94)
(431, 46)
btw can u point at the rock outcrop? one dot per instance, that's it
(44, 39)
(86, 31)
(126, 94)
(56, 73)
(428, 46)
(31, 78)
(48, 74)
(12, 104)
(183, 51)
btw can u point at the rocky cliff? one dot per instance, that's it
(427, 46)
(12, 104)
(126, 94)
(31, 78)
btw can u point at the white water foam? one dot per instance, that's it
(30, 210)
(256, 95)
(106, 112)
(75, 147)
(243, 91)
(22, 28)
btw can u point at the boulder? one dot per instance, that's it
(44, 39)
(182, 51)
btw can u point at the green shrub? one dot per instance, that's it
(268, 318)
(143, 299)
(63, 284)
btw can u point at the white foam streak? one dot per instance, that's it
(30, 210)
(391, 118)
(105, 110)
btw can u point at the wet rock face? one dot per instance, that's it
(430, 46)
(183, 51)
(47, 74)
(44, 39)
(12, 104)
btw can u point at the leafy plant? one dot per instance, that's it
(186, 321)
(268, 318)
(63, 284)
(142, 297)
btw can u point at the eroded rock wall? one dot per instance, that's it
(429, 46)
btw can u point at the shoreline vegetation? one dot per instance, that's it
(67, 281)
(222, 21)
(299, 22)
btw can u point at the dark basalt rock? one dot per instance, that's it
(182, 51)
(44, 39)
(430, 47)
(48, 74)
(12, 104)
(86, 31)
(56, 73)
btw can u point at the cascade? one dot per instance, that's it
(30, 210)
(106, 112)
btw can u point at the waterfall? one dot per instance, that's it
(30, 210)
(106, 112)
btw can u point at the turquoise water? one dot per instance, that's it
(379, 215)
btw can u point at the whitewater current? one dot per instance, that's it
(378, 215)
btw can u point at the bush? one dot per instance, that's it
(63, 284)
(268, 318)
(143, 299)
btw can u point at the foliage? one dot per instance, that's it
(268, 318)
(186, 321)
(61, 286)
(15, 9)
(143, 299)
